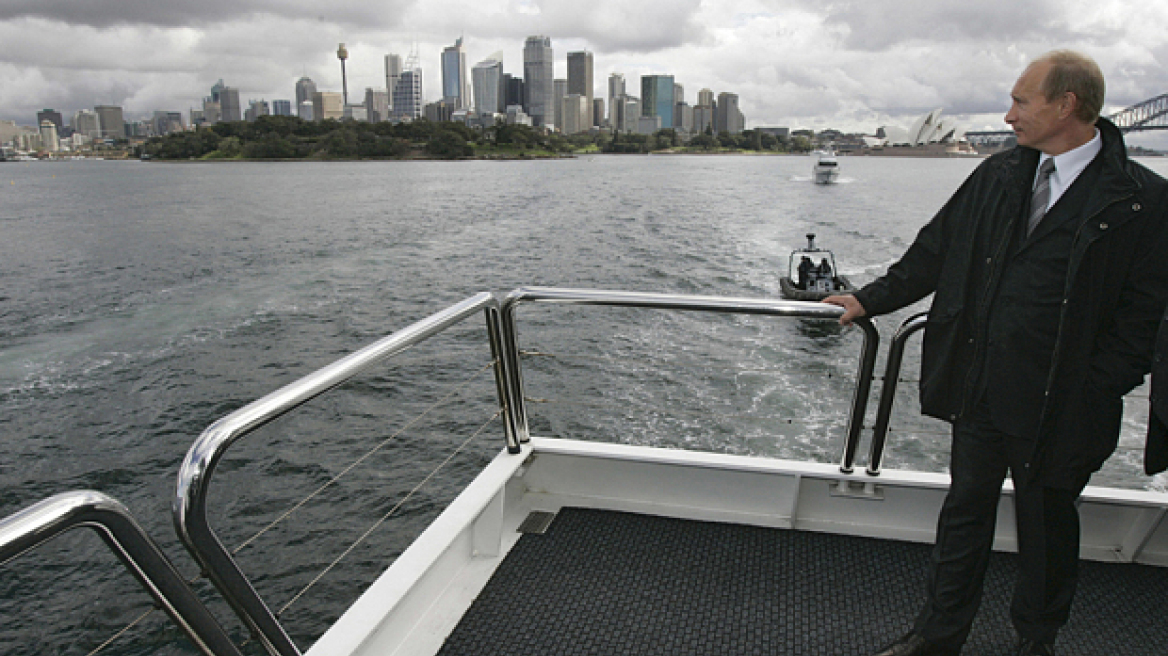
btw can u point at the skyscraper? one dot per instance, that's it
(51, 115)
(229, 109)
(113, 126)
(376, 105)
(657, 98)
(580, 80)
(616, 89)
(559, 92)
(489, 90)
(514, 93)
(407, 95)
(305, 88)
(87, 124)
(393, 69)
(281, 107)
(727, 116)
(705, 98)
(538, 74)
(328, 104)
(455, 85)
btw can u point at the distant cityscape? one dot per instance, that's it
(482, 98)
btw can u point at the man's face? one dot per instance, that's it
(1036, 121)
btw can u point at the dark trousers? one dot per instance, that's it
(1048, 539)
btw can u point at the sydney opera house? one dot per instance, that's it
(930, 135)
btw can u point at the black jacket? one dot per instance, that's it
(1156, 452)
(1115, 291)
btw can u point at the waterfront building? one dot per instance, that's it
(85, 123)
(216, 89)
(455, 85)
(49, 139)
(229, 108)
(376, 105)
(304, 111)
(407, 95)
(516, 115)
(560, 91)
(8, 131)
(727, 116)
(281, 108)
(256, 109)
(705, 98)
(489, 90)
(163, 123)
(574, 114)
(657, 98)
(212, 112)
(393, 71)
(580, 80)
(538, 76)
(678, 93)
(51, 115)
(683, 117)
(513, 94)
(438, 111)
(328, 104)
(703, 119)
(597, 112)
(631, 114)
(113, 126)
(648, 124)
(616, 89)
(305, 89)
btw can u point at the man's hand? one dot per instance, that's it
(853, 309)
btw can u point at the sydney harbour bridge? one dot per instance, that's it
(1151, 114)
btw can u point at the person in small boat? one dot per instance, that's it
(1049, 279)
(806, 272)
(824, 273)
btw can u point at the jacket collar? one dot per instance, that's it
(1017, 168)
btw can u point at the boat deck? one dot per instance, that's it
(603, 582)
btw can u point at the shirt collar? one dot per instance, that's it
(1070, 164)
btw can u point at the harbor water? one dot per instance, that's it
(140, 302)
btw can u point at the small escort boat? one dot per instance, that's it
(562, 547)
(812, 274)
(825, 169)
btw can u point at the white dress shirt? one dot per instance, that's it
(1069, 165)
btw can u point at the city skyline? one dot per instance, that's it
(791, 62)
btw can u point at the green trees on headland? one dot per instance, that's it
(289, 137)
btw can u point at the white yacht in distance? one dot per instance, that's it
(825, 170)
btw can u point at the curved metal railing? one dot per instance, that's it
(907, 329)
(777, 308)
(41, 522)
(190, 503)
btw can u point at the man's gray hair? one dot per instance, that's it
(1073, 72)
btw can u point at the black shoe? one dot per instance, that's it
(1034, 648)
(914, 645)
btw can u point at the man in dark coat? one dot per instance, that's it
(1049, 277)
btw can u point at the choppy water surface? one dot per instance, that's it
(141, 302)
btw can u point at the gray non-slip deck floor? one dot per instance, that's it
(606, 583)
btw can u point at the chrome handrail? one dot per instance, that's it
(803, 309)
(41, 522)
(888, 391)
(190, 509)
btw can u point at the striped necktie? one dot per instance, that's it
(1041, 196)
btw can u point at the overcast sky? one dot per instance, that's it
(849, 64)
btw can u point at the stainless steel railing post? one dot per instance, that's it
(888, 390)
(43, 521)
(860, 396)
(190, 502)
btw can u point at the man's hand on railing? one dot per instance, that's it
(853, 309)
